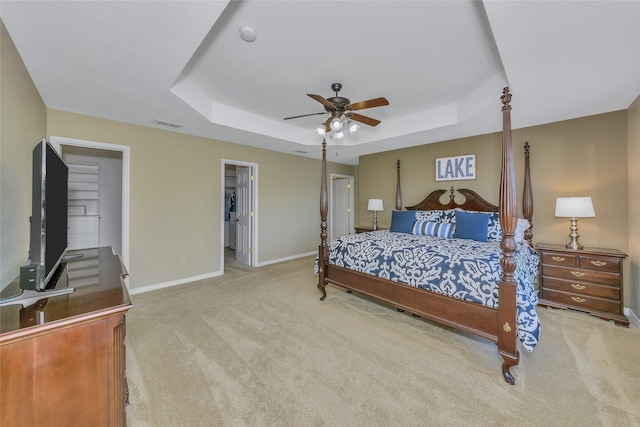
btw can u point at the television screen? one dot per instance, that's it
(48, 241)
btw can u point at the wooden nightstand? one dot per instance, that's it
(587, 280)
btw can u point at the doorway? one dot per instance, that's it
(239, 212)
(108, 165)
(342, 200)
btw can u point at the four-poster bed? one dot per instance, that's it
(488, 319)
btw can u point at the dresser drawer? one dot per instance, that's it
(600, 263)
(583, 302)
(559, 259)
(582, 288)
(581, 274)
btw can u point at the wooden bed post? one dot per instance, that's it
(508, 221)
(398, 192)
(527, 197)
(323, 249)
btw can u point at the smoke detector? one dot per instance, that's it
(248, 33)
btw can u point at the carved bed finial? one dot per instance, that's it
(506, 99)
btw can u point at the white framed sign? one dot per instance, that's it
(456, 168)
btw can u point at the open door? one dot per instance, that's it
(341, 221)
(340, 207)
(244, 214)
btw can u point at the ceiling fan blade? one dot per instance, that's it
(376, 102)
(364, 119)
(304, 115)
(323, 101)
(327, 125)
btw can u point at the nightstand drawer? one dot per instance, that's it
(559, 259)
(582, 302)
(581, 274)
(582, 288)
(601, 263)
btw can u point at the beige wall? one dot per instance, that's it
(581, 157)
(22, 125)
(633, 159)
(175, 206)
(175, 187)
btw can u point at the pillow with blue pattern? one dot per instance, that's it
(436, 215)
(435, 229)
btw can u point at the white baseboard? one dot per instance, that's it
(289, 258)
(218, 273)
(183, 281)
(632, 317)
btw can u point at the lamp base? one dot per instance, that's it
(574, 246)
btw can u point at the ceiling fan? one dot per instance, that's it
(340, 107)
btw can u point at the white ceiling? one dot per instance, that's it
(441, 64)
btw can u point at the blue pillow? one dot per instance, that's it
(435, 229)
(471, 225)
(402, 221)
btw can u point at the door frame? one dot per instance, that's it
(351, 202)
(59, 141)
(254, 204)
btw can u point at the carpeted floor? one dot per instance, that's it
(256, 347)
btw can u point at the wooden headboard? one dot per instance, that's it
(473, 202)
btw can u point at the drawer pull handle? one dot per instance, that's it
(557, 258)
(599, 263)
(578, 299)
(578, 287)
(578, 273)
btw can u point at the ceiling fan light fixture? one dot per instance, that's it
(336, 123)
(320, 129)
(353, 127)
(339, 134)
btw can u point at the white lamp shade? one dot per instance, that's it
(375, 205)
(574, 207)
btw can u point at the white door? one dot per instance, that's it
(244, 214)
(340, 207)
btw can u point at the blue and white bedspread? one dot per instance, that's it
(460, 268)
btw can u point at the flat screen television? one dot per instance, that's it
(48, 226)
(48, 241)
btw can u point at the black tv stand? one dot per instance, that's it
(29, 297)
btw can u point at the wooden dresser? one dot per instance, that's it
(62, 360)
(588, 280)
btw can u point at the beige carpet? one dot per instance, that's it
(257, 347)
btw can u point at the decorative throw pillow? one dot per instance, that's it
(433, 216)
(471, 225)
(495, 230)
(402, 221)
(523, 225)
(436, 215)
(435, 229)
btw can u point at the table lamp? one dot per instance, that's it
(574, 208)
(375, 205)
